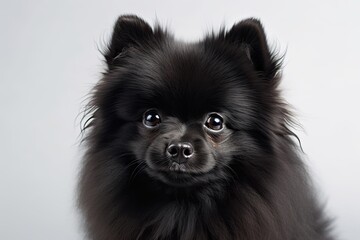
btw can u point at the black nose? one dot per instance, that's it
(180, 152)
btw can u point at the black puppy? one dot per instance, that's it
(192, 141)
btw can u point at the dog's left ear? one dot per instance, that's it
(250, 36)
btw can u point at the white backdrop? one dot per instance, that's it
(49, 60)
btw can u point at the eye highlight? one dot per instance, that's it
(151, 118)
(214, 122)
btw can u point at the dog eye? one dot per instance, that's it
(151, 118)
(214, 122)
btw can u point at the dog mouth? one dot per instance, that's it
(178, 178)
(178, 167)
(177, 174)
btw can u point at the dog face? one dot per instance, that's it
(185, 113)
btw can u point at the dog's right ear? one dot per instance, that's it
(129, 30)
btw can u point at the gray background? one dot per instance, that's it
(49, 61)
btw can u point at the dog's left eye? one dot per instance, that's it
(151, 118)
(214, 122)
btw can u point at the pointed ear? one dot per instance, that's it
(129, 30)
(249, 35)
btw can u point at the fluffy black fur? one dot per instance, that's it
(244, 181)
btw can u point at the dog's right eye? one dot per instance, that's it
(151, 118)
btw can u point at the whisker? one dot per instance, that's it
(135, 170)
(140, 170)
(132, 163)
